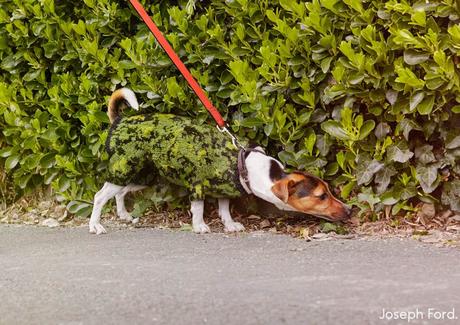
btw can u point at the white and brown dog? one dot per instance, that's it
(204, 162)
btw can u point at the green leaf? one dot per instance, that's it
(427, 177)
(79, 208)
(6, 152)
(412, 57)
(286, 157)
(32, 75)
(50, 177)
(383, 178)
(47, 161)
(426, 106)
(326, 64)
(309, 142)
(23, 181)
(10, 62)
(406, 38)
(335, 129)
(389, 198)
(346, 190)
(251, 122)
(425, 154)
(224, 93)
(453, 141)
(419, 17)
(323, 143)
(407, 77)
(406, 125)
(399, 152)
(366, 128)
(392, 96)
(64, 184)
(11, 162)
(416, 99)
(366, 169)
(328, 227)
(382, 130)
(405, 192)
(368, 197)
(332, 169)
(355, 4)
(80, 28)
(451, 194)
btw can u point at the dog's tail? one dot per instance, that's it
(120, 99)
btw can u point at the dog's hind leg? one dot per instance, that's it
(224, 212)
(120, 199)
(107, 192)
(197, 209)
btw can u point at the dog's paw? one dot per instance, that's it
(125, 216)
(201, 228)
(97, 229)
(233, 227)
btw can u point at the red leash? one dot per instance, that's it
(181, 66)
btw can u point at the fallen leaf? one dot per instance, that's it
(265, 224)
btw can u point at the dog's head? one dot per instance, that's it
(309, 194)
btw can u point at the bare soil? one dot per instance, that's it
(425, 225)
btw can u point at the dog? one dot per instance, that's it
(202, 160)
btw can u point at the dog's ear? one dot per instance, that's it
(284, 188)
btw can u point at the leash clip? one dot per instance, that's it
(235, 141)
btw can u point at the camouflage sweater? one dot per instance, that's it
(197, 157)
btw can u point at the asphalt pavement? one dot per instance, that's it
(148, 276)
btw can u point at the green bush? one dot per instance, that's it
(362, 93)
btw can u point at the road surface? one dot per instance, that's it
(148, 276)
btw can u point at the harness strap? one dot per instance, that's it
(178, 63)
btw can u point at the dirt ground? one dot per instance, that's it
(441, 228)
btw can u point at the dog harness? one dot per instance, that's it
(197, 157)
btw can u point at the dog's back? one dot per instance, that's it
(197, 157)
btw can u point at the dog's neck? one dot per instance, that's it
(260, 182)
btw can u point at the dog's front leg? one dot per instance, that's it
(224, 212)
(197, 209)
(107, 192)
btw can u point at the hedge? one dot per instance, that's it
(362, 93)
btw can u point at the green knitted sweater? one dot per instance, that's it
(197, 157)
